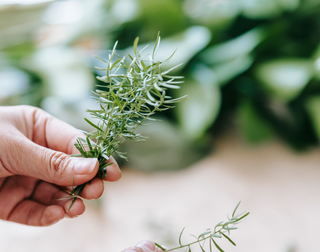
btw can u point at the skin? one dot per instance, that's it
(36, 169)
(144, 246)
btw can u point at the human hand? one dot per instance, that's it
(143, 246)
(36, 169)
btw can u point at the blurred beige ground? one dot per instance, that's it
(280, 188)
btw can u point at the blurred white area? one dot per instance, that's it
(18, 23)
(184, 46)
(64, 68)
(125, 10)
(285, 78)
(23, 2)
(216, 12)
(69, 12)
(74, 18)
(64, 71)
(12, 82)
(211, 12)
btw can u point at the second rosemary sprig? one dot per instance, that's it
(221, 230)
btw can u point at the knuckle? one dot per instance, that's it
(59, 162)
(4, 171)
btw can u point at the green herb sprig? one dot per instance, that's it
(129, 94)
(219, 231)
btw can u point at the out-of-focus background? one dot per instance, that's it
(249, 131)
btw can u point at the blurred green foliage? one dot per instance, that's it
(253, 65)
(259, 71)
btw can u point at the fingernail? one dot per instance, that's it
(147, 245)
(83, 166)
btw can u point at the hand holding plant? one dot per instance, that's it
(36, 168)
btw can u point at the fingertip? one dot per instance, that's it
(113, 171)
(76, 209)
(84, 169)
(51, 215)
(94, 190)
(146, 245)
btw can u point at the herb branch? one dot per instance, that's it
(219, 231)
(130, 93)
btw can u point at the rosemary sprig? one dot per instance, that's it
(219, 231)
(129, 94)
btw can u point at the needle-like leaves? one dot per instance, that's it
(131, 91)
(217, 232)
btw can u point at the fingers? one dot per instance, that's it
(53, 133)
(17, 206)
(24, 157)
(77, 208)
(48, 194)
(94, 190)
(143, 246)
(113, 171)
(44, 157)
(32, 213)
(57, 135)
(25, 200)
(13, 190)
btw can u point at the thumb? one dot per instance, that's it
(30, 159)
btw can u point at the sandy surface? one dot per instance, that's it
(280, 188)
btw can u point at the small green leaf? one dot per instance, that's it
(230, 228)
(242, 217)
(89, 144)
(228, 238)
(116, 99)
(115, 63)
(92, 124)
(204, 233)
(181, 236)
(217, 246)
(216, 235)
(135, 44)
(159, 246)
(105, 165)
(235, 209)
(121, 155)
(156, 46)
(82, 140)
(100, 58)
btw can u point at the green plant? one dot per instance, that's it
(219, 231)
(128, 95)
